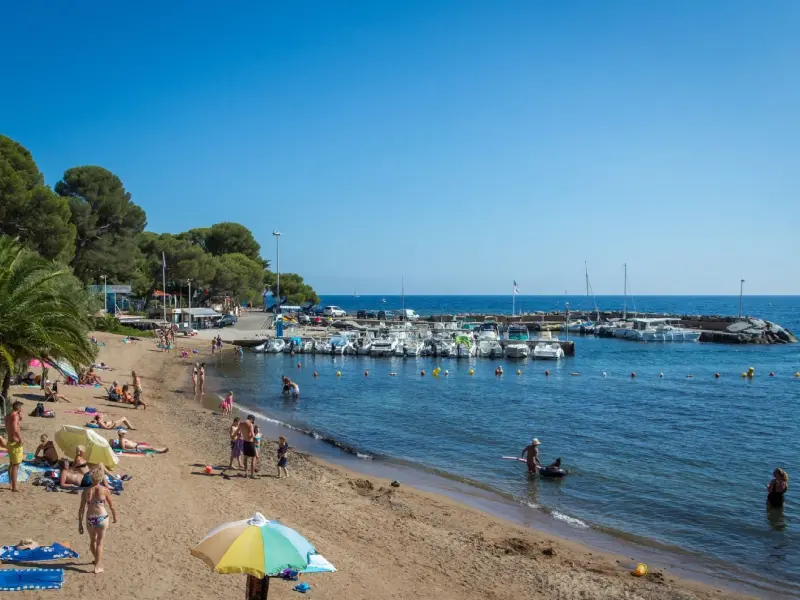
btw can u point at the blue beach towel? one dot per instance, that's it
(43, 554)
(26, 471)
(16, 580)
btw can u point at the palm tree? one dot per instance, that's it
(43, 311)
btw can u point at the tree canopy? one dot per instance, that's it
(29, 210)
(293, 288)
(90, 223)
(44, 311)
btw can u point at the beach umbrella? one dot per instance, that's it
(259, 548)
(98, 450)
(66, 369)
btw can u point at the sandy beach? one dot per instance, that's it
(386, 542)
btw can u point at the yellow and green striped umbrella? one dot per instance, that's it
(260, 548)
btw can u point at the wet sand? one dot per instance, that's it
(386, 542)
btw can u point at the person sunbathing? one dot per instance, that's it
(50, 395)
(123, 443)
(76, 473)
(114, 392)
(48, 450)
(92, 378)
(101, 424)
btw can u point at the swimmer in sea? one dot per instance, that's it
(534, 464)
(777, 488)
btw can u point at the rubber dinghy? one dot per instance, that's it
(549, 472)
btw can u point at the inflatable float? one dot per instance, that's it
(550, 472)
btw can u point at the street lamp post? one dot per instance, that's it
(189, 281)
(277, 235)
(105, 294)
(741, 293)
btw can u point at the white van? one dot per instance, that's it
(408, 315)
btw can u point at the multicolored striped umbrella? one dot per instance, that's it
(258, 547)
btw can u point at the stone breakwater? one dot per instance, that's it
(732, 330)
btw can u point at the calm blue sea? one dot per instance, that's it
(680, 461)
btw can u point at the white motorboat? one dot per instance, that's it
(656, 330)
(488, 331)
(275, 346)
(443, 346)
(384, 346)
(412, 348)
(364, 343)
(338, 344)
(518, 336)
(260, 349)
(489, 348)
(548, 350)
(308, 347)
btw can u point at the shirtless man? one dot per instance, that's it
(48, 450)
(73, 476)
(123, 422)
(15, 450)
(247, 430)
(534, 464)
(123, 443)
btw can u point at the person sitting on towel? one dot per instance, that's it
(123, 443)
(48, 450)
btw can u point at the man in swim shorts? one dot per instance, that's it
(247, 430)
(15, 450)
(534, 464)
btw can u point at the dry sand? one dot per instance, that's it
(386, 542)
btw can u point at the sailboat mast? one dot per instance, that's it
(403, 294)
(586, 272)
(625, 297)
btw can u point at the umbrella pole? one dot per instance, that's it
(265, 588)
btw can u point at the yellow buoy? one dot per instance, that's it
(744, 375)
(641, 570)
(338, 373)
(471, 371)
(797, 374)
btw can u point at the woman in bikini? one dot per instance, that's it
(777, 488)
(201, 378)
(195, 368)
(101, 424)
(94, 501)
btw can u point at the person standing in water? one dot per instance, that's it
(777, 488)
(534, 464)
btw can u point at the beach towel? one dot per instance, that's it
(26, 471)
(142, 451)
(81, 411)
(96, 426)
(15, 580)
(42, 554)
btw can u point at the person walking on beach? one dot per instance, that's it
(257, 443)
(227, 405)
(777, 488)
(96, 498)
(236, 444)
(15, 450)
(137, 391)
(248, 434)
(201, 378)
(283, 449)
(195, 369)
(534, 464)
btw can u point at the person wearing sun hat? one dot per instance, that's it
(534, 464)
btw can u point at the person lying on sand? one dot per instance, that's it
(123, 443)
(101, 424)
(73, 476)
(48, 450)
(50, 395)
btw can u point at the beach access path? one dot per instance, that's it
(388, 543)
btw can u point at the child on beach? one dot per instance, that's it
(283, 448)
(227, 405)
(237, 444)
(257, 443)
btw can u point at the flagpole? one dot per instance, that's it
(164, 283)
(514, 300)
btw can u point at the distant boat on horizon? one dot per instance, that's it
(383, 300)
(356, 294)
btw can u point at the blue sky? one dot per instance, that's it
(459, 144)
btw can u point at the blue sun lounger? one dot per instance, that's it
(16, 580)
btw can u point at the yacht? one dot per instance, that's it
(337, 344)
(657, 330)
(260, 349)
(413, 347)
(517, 346)
(443, 346)
(308, 347)
(364, 343)
(489, 348)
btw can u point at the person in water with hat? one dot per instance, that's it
(534, 464)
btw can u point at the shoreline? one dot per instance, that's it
(488, 500)
(386, 542)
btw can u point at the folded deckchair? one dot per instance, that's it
(41, 554)
(16, 580)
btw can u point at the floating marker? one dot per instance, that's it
(446, 373)
(797, 374)
(575, 374)
(519, 372)
(422, 373)
(338, 373)
(392, 374)
(604, 373)
(471, 371)
(316, 374)
(633, 375)
(366, 373)
(661, 375)
(299, 365)
(547, 373)
(716, 375)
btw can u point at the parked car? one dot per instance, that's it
(385, 315)
(334, 311)
(226, 321)
(371, 314)
(362, 314)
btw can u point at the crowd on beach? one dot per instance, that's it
(76, 473)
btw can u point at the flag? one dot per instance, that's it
(516, 289)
